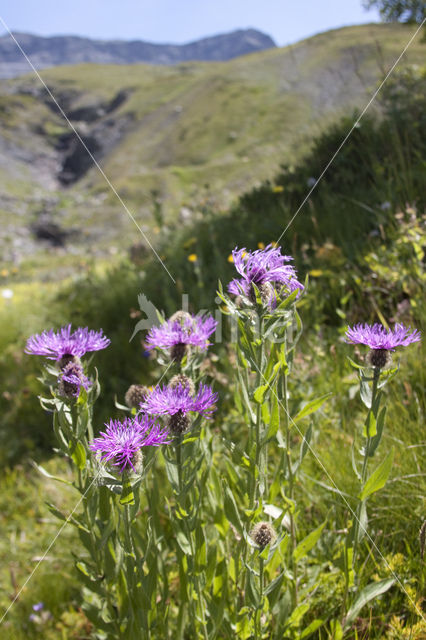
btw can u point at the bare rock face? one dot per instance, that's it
(59, 50)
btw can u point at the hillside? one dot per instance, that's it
(168, 137)
(59, 50)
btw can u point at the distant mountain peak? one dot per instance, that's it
(53, 51)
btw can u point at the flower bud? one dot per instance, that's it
(181, 316)
(183, 381)
(135, 394)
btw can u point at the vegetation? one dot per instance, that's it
(404, 10)
(360, 238)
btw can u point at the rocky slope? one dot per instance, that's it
(170, 141)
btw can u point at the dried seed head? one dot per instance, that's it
(135, 394)
(183, 381)
(378, 358)
(178, 351)
(179, 423)
(262, 534)
(181, 316)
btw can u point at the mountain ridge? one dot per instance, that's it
(53, 51)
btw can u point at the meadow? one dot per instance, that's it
(358, 246)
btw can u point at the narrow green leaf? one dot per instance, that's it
(184, 543)
(127, 496)
(78, 454)
(363, 522)
(231, 510)
(379, 427)
(266, 416)
(368, 593)
(370, 426)
(379, 477)
(365, 391)
(310, 407)
(274, 421)
(273, 589)
(53, 510)
(305, 443)
(298, 614)
(308, 543)
(336, 629)
(315, 624)
(260, 393)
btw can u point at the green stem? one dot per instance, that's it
(97, 557)
(190, 537)
(259, 458)
(258, 619)
(376, 376)
(290, 476)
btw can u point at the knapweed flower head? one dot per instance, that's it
(177, 402)
(181, 332)
(62, 344)
(72, 379)
(135, 394)
(381, 340)
(121, 443)
(267, 269)
(262, 534)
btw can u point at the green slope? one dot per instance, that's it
(190, 132)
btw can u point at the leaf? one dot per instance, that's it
(272, 510)
(315, 624)
(378, 478)
(184, 543)
(274, 421)
(260, 393)
(273, 589)
(78, 454)
(354, 467)
(370, 427)
(305, 443)
(363, 522)
(374, 443)
(308, 543)
(365, 391)
(368, 593)
(45, 473)
(231, 510)
(310, 407)
(336, 629)
(127, 496)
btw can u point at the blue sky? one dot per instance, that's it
(180, 21)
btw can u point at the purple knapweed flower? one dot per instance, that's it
(381, 340)
(181, 332)
(122, 441)
(177, 402)
(64, 344)
(264, 268)
(38, 607)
